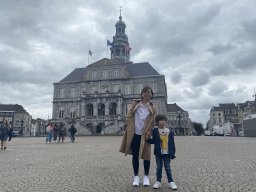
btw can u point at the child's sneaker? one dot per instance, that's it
(172, 186)
(157, 185)
(136, 181)
(146, 181)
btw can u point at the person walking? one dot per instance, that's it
(48, 132)
(51, 133)
(164, 150)
(55, 132)
(140, 121)
(62, 132)
(73, 130)
(4, 129)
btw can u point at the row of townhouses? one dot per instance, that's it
(242, 116)
(21, 121)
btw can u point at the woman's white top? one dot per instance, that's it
(141, 115)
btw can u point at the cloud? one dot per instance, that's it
(217, 88)
(224, 69)
(193, 93)
(204, 48)
(246, 61)
(221, 48)
(176, 77)
(201, 78)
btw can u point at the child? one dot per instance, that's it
(164, 150)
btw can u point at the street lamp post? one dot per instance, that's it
(179, 126)
(21, 124)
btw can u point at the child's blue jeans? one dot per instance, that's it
(159, 166)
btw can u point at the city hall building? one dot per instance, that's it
(97, 98)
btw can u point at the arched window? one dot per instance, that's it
(89, 109)
(117, 52)
(112, 108)
(123, 52)
(101, 109)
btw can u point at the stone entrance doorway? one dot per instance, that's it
(98, 130)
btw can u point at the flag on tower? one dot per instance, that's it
(90, 52)
(109, 43)
(127, 48)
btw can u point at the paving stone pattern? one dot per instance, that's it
(93, 163)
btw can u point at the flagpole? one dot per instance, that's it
(88, 56)
(107, 50)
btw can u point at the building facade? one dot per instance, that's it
(97, 98)
(17, 116)
(225, 113)
(178, 120)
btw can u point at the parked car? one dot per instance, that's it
(15, 133)
(241, 134)
(207, 133)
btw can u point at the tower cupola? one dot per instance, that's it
(120, 41)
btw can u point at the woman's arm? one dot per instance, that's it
(129, 113)
(153, 140)
(152, 125)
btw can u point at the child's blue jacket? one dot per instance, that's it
(157, 141)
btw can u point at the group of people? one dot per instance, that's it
(54, 131)
(5, 133)
(140, 125)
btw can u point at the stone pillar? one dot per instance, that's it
(107, 109)
(95, 108)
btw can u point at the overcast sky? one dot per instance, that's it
(205, 49)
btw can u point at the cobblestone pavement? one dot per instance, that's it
(93, 163)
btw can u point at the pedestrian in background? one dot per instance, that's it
(62, 132)
(4, 129)
(164, 150)
(55, 132)
(140, 121)
(51, 133)
(73, 131)
(48, 132)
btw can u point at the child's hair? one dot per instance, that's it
(160, 117)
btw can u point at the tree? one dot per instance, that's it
(207, 125)
(198, 128)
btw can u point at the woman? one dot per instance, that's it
(140, 121)
(4, 129)
(48, 132)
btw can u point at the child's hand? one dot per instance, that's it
(173, 157)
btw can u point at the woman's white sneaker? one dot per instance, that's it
(146, 181)
(172, 186)
(136, 181)
(157, 185)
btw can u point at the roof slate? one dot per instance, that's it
(141, 69)
(136, 70)
(9, 107)
(174, 108)
(75, 75)
(228, 106)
